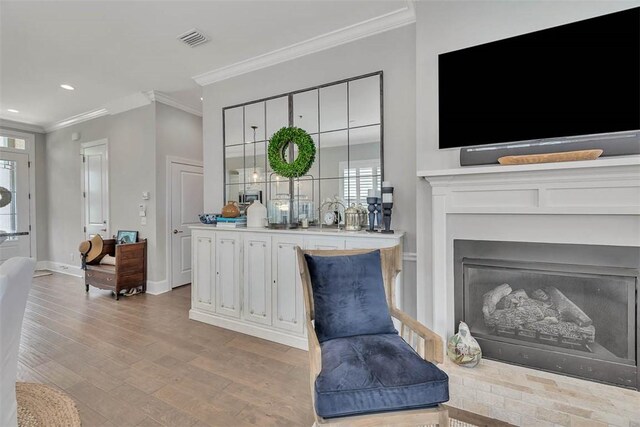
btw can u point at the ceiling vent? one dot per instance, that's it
(192, 38)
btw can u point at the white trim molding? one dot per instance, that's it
(389, 21)
(130, 102)
(157, 288)
(249, 328)
(78, 118)
(165, 99)
(59, 267)
(593, 202)
(24, 126)
(409, 256)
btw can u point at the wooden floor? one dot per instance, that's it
(141, 362)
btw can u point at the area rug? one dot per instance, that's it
(42, 406)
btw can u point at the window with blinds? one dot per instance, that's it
(359, 178)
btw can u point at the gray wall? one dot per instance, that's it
(394, 53)
(139, 141)
(444, 26)
(178, 134)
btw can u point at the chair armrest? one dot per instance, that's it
(315, 353)
(429, 345)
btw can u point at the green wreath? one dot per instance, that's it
(306, 152)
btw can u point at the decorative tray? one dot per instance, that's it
(566, 156)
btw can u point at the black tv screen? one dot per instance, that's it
(581, 78)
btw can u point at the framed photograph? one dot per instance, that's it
(125, 237)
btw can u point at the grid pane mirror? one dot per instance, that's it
(344, 120)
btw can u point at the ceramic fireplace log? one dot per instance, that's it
(567, 309)
(491, 298)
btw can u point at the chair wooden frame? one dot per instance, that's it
(425, 342)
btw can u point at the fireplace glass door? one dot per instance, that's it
(553, 307)
(570, 309)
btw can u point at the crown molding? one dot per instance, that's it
(165, 99)
(370, 27)
(130, 102)
(78, 118)
(28, 127)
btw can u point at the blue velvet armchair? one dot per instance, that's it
(364, 371)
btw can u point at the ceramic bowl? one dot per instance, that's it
(208, 218)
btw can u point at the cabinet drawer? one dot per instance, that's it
(100, 279)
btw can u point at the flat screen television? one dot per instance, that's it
(581, 78)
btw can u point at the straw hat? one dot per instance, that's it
(92, 248)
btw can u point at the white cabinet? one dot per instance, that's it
(332, 243)
(203, 272)
(228, 262)
(257, 278)
(287, 286)
(371, 243)
(248, 280)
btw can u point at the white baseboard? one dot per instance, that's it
(409, 256)
(249, 329)
(157, 288)
(60, 267)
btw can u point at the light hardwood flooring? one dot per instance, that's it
(141, 362)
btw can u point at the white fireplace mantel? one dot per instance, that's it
(589, 202)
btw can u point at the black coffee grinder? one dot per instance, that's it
(387, 205)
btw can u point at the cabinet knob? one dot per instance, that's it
(251, 312)
(250, 244)
(295, 321)
(280, 246)
(264, 245)
(264, 314)
(280, 318)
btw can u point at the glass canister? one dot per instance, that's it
(352, 218)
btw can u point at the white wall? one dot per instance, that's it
(139, 141)
(444, 26)
(178, 134)
(392, 52)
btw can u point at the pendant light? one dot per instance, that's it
(255, 171)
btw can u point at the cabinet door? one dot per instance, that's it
(257, 278)
(203, 296)
(228, 251)
(287, 286)
(331, 243)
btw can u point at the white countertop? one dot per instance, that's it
(304, 232)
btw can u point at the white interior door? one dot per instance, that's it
(95, 192)
(15, 217)
(186, 201)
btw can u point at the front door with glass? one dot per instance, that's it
(14, 205)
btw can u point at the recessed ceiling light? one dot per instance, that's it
(11, 110)
(201, 99)
(67, 87)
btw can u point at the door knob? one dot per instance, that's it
(176, 231)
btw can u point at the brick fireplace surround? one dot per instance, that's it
(593, 202)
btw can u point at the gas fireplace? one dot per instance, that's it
(569, 309)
